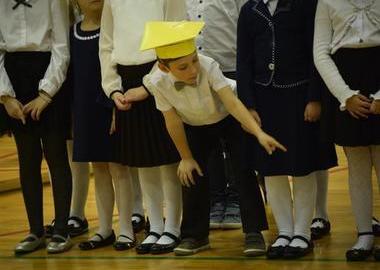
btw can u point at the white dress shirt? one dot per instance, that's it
(271, 5)
(44, 27)
(218, 38)
(122, 29)
(196, 105)
(344, 24)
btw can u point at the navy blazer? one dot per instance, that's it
(276, 50)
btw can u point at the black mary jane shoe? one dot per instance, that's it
(165, 248)
(357, 255)
(138, 226)
(145, 248)
(76, 231)
(277, 252)
(319, 232)
(120, 245)
(298, 252)
(376, 227)
(103, 242)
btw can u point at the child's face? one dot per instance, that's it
(185, 69)
(90, 5)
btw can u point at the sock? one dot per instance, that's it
(375, 154)
(281, 242)
(81, 177)
(124, 197)
(321, 195)
(104, 195)
(165, 240)
(153, 198)
(364, 242)
(137, 196)
(151, 239)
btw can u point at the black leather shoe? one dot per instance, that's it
(376, 227)
(376, 253)
(277, 252)
(298, 252)
(356, 255)
(319, 232)
(81, 229)
(93, 244)
(145, 248)
(165, 248)
(138, 226)
(121, 245)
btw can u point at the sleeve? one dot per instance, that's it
(111, 80)
(376, 95)
(6, 88)
(216, 78)
(55, 74)
(245, 60)
(175, 10)
(322, 56)
(162, 103)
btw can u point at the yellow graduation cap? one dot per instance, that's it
(171, 39)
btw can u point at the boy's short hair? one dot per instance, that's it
(167, 61)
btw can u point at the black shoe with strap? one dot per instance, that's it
(165, 248)
(144, 248)
(356, 255)
(94, 244)
(319, 232)
(291, 252)
(121, 245)
(82, 227)
(277, 252)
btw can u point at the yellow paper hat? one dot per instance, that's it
(171, 39)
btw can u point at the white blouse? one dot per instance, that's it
(43, 27)
(344, 24)
(122, 28)
(218, 38)
(196, 105)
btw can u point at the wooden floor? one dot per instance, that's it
(227, 246)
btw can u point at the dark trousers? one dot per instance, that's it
(32, 144)
(203, 140)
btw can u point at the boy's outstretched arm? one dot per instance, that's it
(236, 108)
(187, 165)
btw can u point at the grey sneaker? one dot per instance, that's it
(190, 246)
(216, 215)
(59, 244)
(254, 245)
(29, 244)
(231, 219)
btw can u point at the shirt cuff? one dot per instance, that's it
(343, 99)
(48, 87)
(376, 96)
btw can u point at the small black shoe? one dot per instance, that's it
(376, 253)
(121, 245)
(298, 252)
(138, 226)
(93, 244)
(376, 227)
(165, 248)
(145, 248)
(356, 255)
(319, 232)
(277, 252)
(82, 227)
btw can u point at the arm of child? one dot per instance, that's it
(187, 165)
(236, 108)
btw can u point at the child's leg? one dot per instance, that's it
(138, 209)
(321, 196)
(30, 157)
(280, 200)
(172, 192)
(104, 194)
(360, 175)
(124, 199)
(304, 200)
(151, 188)
(375, 154)
(80, 172)
(55, 151)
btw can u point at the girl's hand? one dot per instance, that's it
(113, 124)
(269, 143)
(375, 106)
(120, 101)
(135, 94)
(185, 171)
(312, 111)
(36, 107)
(14, 108)
(358, 106)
